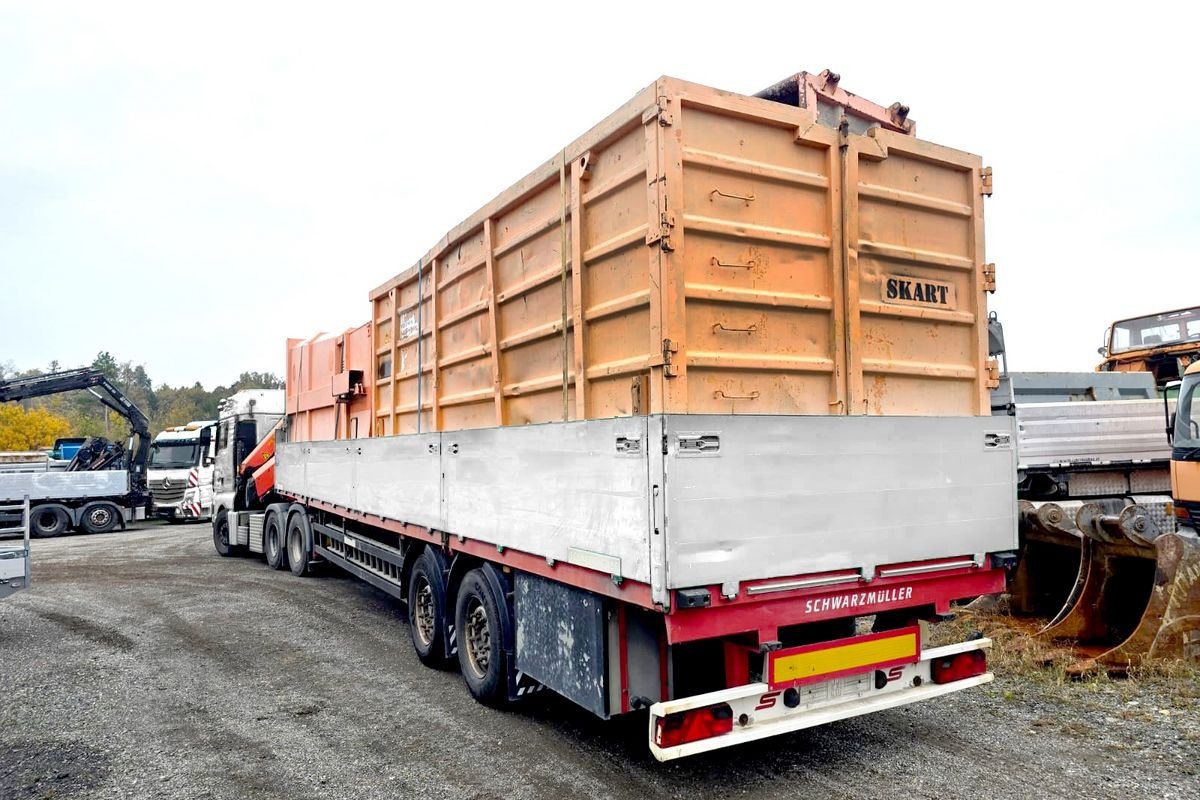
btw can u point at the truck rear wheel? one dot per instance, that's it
(298, 551)
(100, 518)
(477, 629)
(273, 544)
(427, 610)
(221, 534)
(47, 521)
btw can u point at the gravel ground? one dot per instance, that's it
(142, 665)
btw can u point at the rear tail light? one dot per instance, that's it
(959, 666)
(694, 725)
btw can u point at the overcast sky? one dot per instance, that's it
(185, 185)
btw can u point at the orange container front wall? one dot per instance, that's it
(313, 410)
(734, 257)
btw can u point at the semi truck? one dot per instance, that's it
(179, 462)
(103, 486)
(693, 421)
(243, 421)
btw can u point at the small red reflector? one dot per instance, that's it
(1182, 513)
(959, 666)
(694, 725)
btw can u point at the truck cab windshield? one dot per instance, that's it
(1187, 415)
(174, 455)
(1158, 330)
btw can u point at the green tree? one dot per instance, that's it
(32, 429)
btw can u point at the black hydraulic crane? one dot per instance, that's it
(96, 383)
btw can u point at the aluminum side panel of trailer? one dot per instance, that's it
(42, 485)
(762, 497)
(732, 498)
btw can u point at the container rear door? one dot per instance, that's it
(761, 251)
(915, 288)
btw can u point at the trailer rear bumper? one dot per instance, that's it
(756, 711)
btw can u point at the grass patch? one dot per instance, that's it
(1017, 652)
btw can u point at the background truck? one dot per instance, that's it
(1163, 344)
(693, 420)
(103, 486)
(180, 460)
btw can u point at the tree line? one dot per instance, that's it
(34, 424)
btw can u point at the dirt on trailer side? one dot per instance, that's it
(142, 664)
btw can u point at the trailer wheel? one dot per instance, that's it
(100, 518)
(481, 654)
(221, 534)
(427, 611)
(273, 544)
(47, 521)
(298, 551)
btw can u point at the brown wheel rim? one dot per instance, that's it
(423, 612)
(478, 638)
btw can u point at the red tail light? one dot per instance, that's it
(959, 666)
(694, 725)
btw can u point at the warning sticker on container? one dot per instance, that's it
(905, 291)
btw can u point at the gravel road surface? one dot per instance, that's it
(142, 665)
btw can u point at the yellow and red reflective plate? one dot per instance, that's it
(810, 663)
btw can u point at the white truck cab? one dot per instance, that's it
(179, 462)
(243, 420)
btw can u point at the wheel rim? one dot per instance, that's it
(45, 521)
(223, 533)
(294, 554)
(423, 611)
(272, 547)
(100, 517)
(479, 640)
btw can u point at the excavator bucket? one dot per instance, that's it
(1051, 559)
(1136, 594)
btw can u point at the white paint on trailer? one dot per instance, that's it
(63, 485)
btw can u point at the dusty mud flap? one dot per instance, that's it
(815, 685)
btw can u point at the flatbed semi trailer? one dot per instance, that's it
(694, 419)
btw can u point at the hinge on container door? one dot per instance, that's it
(669, 349)
(985, 181)
(993, 373)
(660, 113)
(662, 236)
(989, 277)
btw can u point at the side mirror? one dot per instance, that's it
(1102, 350)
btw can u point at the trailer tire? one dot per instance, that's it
(47, 521)
(273, 548)
(427, 610)
(100, 517)
(299, 546)
(477, 627)
(221, 534)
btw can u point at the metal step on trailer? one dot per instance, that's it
(14, 557)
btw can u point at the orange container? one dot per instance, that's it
(703, 252)
(329, 386)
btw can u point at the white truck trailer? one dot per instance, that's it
(692, 421)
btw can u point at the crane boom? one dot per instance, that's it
(96, 383)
